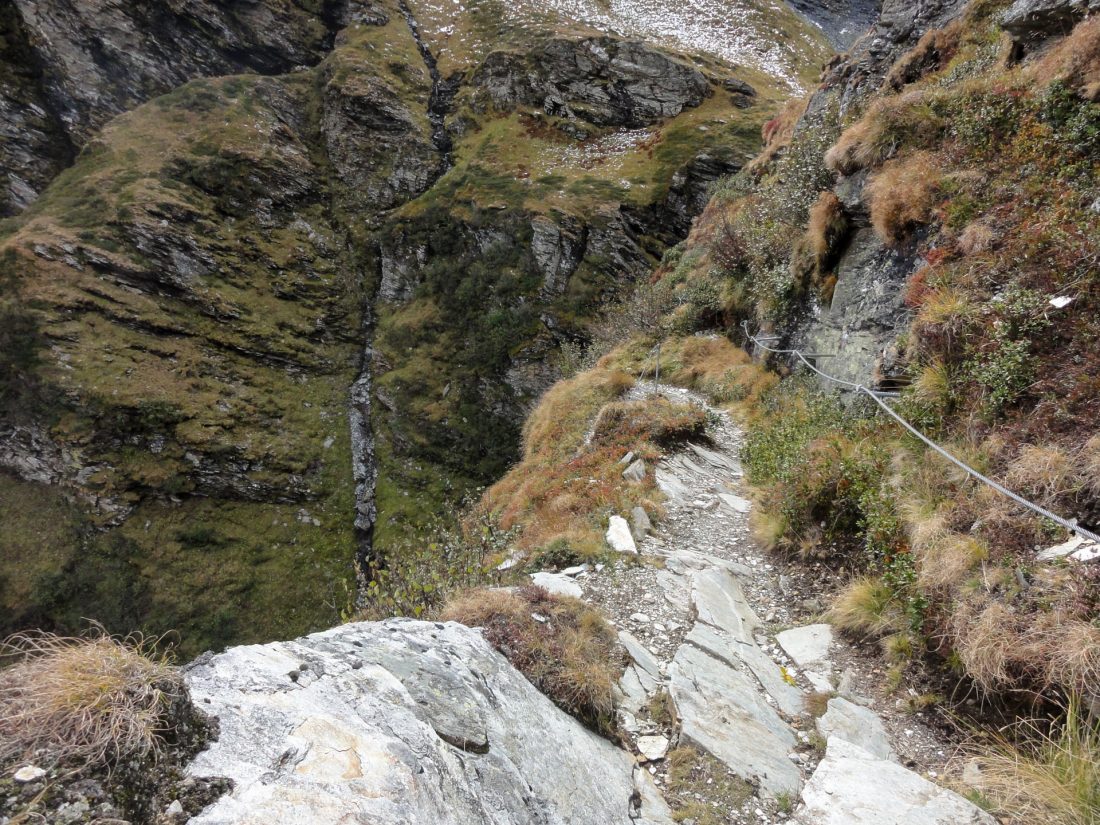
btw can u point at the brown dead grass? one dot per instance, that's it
(986, 640)
(903, 194)
(946, 562)
(977, 239)
(1045, 472)
(89, 699)
(1038, 772)
(1088, 463)
(889, 123)
(572, 656)
(818, 249)
(1073, 60)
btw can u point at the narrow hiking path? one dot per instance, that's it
(730, 640)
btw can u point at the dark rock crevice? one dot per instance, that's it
(442, 94)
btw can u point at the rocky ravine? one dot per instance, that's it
(406, 721)
(188, 311)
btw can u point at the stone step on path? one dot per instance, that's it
(739, 689)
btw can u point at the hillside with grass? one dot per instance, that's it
(945, 246)
(276, 303)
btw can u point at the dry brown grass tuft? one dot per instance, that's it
(1045, 472)
(987, 642)
(946, 562)
(976, 239)
(1088, 464)
(903, 194)
(572, 657)
(1039, 772)
(1073, 60)
(89, 699)
(866, 607)
(889, 123)
(1070, 650)
(816, 252)
(932, 52)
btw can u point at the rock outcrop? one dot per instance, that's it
(604, 81)
(866, 310)
(69, 66)
(403, 722)
(1030, 22)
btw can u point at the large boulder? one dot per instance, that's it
(402, 722)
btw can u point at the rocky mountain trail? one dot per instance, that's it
(729, 654)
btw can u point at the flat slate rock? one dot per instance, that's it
(787, 697)
(808, 646)
(722, 712)
(853, 787)
(402, 723)
(855, 724)
(720, 602)
(643, 659)
(557, 583)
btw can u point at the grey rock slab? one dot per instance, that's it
(808, 646)
(1031, 21)
(640, 525)
(405, 722)
(645, 661)
(717, 459)
(721, 712)
(669, 484)
(618, 536)
(857, 725)
(557, 583)
(634, 694)
(735, 503)
(787, 697)
(636, 471)
(576, 570)
(853, 787)
(720, 602)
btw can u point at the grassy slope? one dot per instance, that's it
(126, 366)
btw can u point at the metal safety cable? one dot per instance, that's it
(1069, 524)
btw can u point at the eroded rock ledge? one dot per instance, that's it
(403, 721)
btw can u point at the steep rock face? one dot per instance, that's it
(403, 722)
(605, 81)
(81, 63)
(899, 26)
(1029, 22)
(867, 309)
(843, 21)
